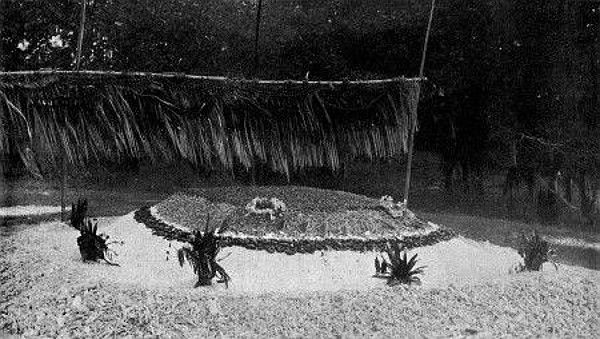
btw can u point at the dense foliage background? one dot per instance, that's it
(513, 84)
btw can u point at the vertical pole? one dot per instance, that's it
(413, 118)
(426, 43)
(2, 15)
(3, 188)
(81, 33)
(63, 184)
(595, 83)
(257, 34)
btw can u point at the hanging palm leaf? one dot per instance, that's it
(288, 125)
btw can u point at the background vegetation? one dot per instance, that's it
(513, 84)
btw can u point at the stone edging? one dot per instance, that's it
(294, 245)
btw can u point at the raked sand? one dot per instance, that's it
(29, 210)
(466, 290)
(150, 261)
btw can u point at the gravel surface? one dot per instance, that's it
(295, 197)
(46, 291)
(14, 211)
(310, 211)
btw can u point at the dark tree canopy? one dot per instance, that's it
(506, 74)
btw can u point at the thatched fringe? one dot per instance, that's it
(289, 125)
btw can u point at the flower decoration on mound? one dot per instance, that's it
(274, 207)
(396, 210)
(92, 246)
(202, 255)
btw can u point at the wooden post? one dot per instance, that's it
(257, 35)
(63, 184)
(413, 119)
(2, 15)
(63, 187)
(81, 34)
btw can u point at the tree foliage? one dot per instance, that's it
(501, 72)
(217, 36)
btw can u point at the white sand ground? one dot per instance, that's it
(150, 261)
(28, 210)
(466, 291)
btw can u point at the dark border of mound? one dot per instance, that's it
(294, 245)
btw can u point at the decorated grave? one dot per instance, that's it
(291, 219)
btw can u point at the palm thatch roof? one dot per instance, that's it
(288, 125)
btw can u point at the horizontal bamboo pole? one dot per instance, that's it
(203, 77)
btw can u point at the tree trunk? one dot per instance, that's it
(586, 202)
(568, 188)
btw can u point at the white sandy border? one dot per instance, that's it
(144, 262)
(30, 210)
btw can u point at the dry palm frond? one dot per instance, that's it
(289, 125)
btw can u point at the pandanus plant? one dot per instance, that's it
(535, 251)
(202, 255)
(92, 246)
(401, 269)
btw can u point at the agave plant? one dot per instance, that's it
(92, 246)
(401, 269)
(202, 255)
(535, 251)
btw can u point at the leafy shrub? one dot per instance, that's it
(92, 246)
(400, 270)
(202, 255)
(535, 251)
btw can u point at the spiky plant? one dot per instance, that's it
(78, 213)
(93, 246)
(402, 270)
(535, 251)
(202, 255)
